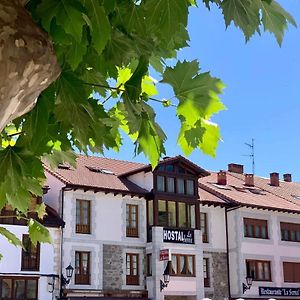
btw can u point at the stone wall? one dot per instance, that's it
(218, 276)
(112, 267)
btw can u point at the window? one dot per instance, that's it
(206, 272)
(255, 228)
(203, 227)
(290, 232)
(180, 186)
(83, 216)
(190, 189)
(170, 185)
(291, 272)
(183, 265)
(30, 255)
(260, 270)
(161, 183)
(13, 288)
(149, 264)
(132, 220)
(176, 214)
(82, 267)
(132, 269)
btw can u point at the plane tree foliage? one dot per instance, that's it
(75, 73)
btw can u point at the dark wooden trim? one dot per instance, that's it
(292, 269)
(26, 279)
(205, 238)
(81, 278)
(132, 279)
(28, 262)
(132, 231)
(207, 270)
(255, 262)
(80, 227)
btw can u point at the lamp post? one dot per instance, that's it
(247, 286)
(65, 281)
(166, 274)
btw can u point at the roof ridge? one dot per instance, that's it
(270, 192)
(121, 160)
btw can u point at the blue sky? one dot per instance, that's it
(262, 95)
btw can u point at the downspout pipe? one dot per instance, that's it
(228, 209)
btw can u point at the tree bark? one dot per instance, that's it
(28, 64)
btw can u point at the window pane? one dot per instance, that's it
(190, 266)
(257, 231)
(127, 215)
(180, 186)
(181, 170)
(260, 271)
(267, 271)
(182, 266)
(162, 213)
(191, 216)
(19, 289)
(182, 221)
(150, 212)
(6, 288)
(293, 235)
(170, 168)
(172, 213)
(174, 264)
(204, 268)
(264, 232)
(31, 289)
(161, 183)
(250, 230)
(298, 236)
(190, 187)
(170, 184)
(77, 212)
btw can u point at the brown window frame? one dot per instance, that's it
(130, 230)
(177, 272)
(188, 217)
(131, 278)
(80, 227)
(254, 263)
(149, 264)
(289, 228)
(19, 278)
(204, 229)
(30, 258)
(291, 272)
(81, 278)
(206, 270)
(255, 223)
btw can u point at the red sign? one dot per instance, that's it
(164, 254)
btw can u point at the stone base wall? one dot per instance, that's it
(112, 267)
(218, 276)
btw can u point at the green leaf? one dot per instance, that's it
(75, 53)
(40, 209)
(100, 26)
(38, 232)
(244, 14)
(275, 19)
(67, 13)
(11, 238)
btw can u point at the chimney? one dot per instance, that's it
(249, 179)
(287, 177)
(222, 180)
(236, 168)
(274, 179)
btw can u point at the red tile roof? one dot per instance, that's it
(105, 177)
(262, 195)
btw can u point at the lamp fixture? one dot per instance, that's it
(248, 284)
(65, 281)
(166, 274)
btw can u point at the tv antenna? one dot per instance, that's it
(251, 146)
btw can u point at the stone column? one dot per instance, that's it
(199, 265)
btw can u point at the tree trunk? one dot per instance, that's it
(28, 64)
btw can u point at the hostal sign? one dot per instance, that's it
(181, 236)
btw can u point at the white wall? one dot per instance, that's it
(10, 265)
(142, 179)
(53, 196)
(216, 228)
(272, 249)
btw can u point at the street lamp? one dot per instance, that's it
(65, 281)
(247, 286)
(166, 274)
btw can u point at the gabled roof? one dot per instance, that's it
(147, 168)
(98, 173)
(262, 195)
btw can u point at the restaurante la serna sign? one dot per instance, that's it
(279, 291)
(182, 236)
